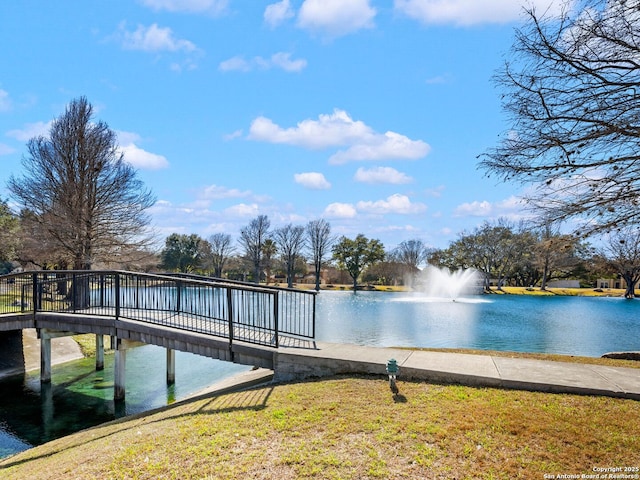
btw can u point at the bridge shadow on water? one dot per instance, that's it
(43, 412)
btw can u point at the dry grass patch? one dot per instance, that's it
(571, 292)
(351, 428)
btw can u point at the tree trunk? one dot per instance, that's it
(631, 286)
(545, 274)
(81, 292)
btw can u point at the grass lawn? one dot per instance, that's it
(351, 428)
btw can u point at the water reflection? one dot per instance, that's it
(79, 397)
(565, 325)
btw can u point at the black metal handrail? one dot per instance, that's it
(237, 311)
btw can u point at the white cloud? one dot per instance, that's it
(216, 192)
(243, 210)
(5, 101)
(277, 13)
(512, 208)
(335, 18)
(283, 60)
(470, 12)
(340, 210)
(339, 129)
(153, 39)
(233, 135)
(235, 63)
(381, 175)
(138, 157)
(30, 131)
(473, 209)
(391, 145)
(395, 203)
(214, 7)
(312, 180)
(329, 130)
(280, 60)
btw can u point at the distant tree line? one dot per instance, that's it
(258, 252)
(505, 253)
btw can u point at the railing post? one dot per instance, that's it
(101, 289)
(230, 319)
(117, 294)
(275, 317)
(178, 295)
(313, 320)
(137, 292)
(74, 291)
(34, 279)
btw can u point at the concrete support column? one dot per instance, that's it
(99, 352)
(45, 357)
(171, 366)
(119, 370)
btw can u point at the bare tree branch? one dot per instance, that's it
(571, 90)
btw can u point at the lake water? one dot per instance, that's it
(79, 397)
(586, 326)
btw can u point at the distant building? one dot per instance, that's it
(613, 282)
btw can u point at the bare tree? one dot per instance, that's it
(319, 242)
(623, 255)
(497, 250)
(572, 94)
(554, 252)
(413, 253)
(221, 251)
(252, 238)
(290, 241)
(80, 192)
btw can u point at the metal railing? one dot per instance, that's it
(234, 310)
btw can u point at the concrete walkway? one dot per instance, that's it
(63, 349)
(464, 369)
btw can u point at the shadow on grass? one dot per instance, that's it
(251, 399)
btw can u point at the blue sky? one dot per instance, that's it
(367, 113)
